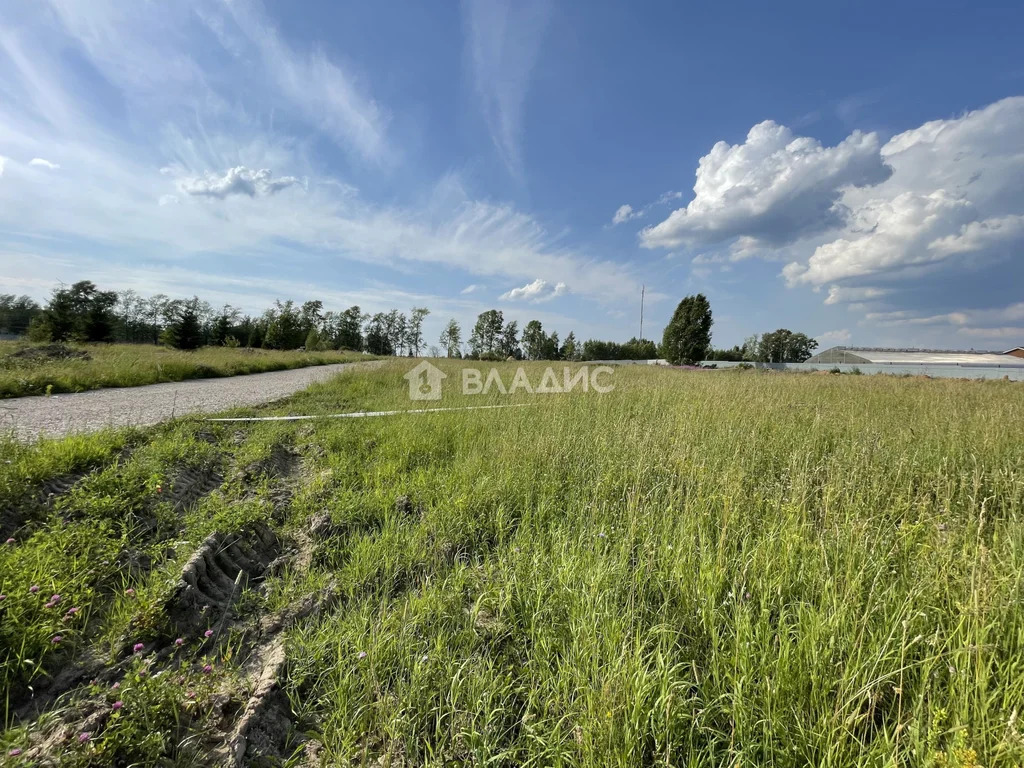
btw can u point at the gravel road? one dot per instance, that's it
(32, 417)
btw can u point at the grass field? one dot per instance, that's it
(698, 568)
(131, 365)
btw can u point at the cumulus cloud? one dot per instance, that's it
(956, 192)
(41, 163)
(838, 294)
(237, 181)
(888, 234)
(775, 187)
(625, 213)
(840, 336)
(537, 291)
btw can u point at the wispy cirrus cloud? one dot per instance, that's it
(503, 39)
(196, 173)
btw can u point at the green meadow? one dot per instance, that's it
(696, 568)
(55, 369)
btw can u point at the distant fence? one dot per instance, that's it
(1013, 371)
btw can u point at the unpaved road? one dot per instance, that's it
(32, 417)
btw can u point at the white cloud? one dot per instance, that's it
(956, 193)
(503, 40)
(775, 188)
(1014, 334)
(168, 200)
(41, 163)
(625, 213)
(628, 213)
(887, 234)
(537, 291)
(980, 235)
(3, 162)
(840, 336)
(846, 294)
(472, 288)
(236, 181)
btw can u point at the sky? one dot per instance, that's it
(853, 171)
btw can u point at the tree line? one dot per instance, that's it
(83, 313)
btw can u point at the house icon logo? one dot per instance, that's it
(425, 382)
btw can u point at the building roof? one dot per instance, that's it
(882, 355)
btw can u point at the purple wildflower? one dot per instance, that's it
(208, 633)
(361, 655)
(34, 588)
(137, 648)
(84, 737)
(117, 705)
(207, 669)
(56, 639)
(2, 598)
(115, 686)
(191, 694)
(54, 599)
(130, 592)
(179, 642)
(14, 752)
(10, 540)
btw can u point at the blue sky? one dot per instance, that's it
(851, 170)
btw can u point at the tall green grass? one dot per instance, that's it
(132, 365)
(698, 568)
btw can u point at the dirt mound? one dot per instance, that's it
(49, 353)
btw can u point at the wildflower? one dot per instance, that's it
(208, 633)
(602, 535)
(56, 639)
(138, 647)
(54, 599)
(115, 686)
(10, 540)
(34, 588)
(179, 642)
(117, 705)
(361, 655)
(84, 737)
(50, 604)
(14, 752)
(2, 598)
(191, 694)
(130, 592)
(423, 659)
(207, 669)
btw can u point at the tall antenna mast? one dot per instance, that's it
(643, 288)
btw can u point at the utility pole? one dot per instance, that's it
(643, 288)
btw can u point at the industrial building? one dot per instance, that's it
(889, 356)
